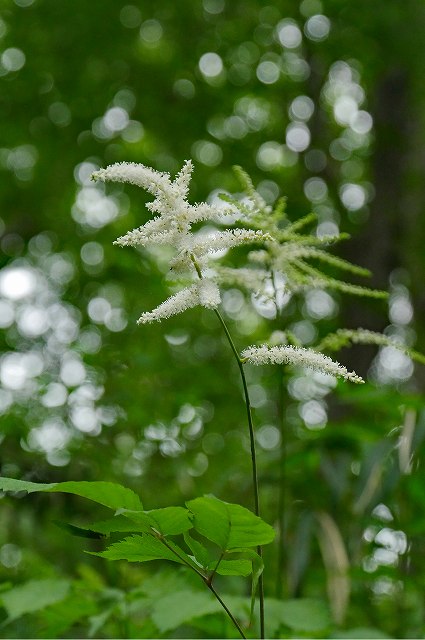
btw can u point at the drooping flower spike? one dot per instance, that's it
(298, 356)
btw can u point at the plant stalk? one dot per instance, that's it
(229, 613)
(281, 490)
(206, 581)
(253, 458)
(252, 445)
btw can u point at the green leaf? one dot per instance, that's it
(33, 596)
(103, 528)
(168, 521)
(145, 548)
(79, 531)
(229, 525)
(175, 609)
(172, 520)
(239, 567)
(202, 555)
(257, 568)
(58, 618)
(139, 522)
(109, 494)
(96, 622)
(304, 614)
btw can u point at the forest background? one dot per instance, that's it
(322, 102)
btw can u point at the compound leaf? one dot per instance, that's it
(230, 526)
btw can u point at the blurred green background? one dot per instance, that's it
(320, 101)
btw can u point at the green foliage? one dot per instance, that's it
(144, 548)
(33, 596)
(303, 615)
(109, 494)
(230, 526)
(86, 395)
(361, 632)
(175, 609)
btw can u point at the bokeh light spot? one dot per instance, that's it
(289, 34)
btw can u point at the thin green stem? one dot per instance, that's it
(253, 458)
(229, 613)
(214, 571)
(282, 465)
(281, 489)
(252, 444)
(248, 411)
(205, 580)
(188, 564)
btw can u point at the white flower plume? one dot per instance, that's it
(156, 182)
(298, 356)
(193, 252)
(204, 292)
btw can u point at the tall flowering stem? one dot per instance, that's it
(251, 441)
(253, 458)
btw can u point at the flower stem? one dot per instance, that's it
(253, 457)
(252, 443)
(229, 613)
(281, 490)
(206, 581)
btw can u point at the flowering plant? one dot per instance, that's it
(209, 536)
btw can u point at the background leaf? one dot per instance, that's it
(33, 596)
(175, 609)
(303, 615)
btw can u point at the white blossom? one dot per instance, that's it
(193, 252)
(156, 182)
(298, 356)
(209, 294)
(204, 293)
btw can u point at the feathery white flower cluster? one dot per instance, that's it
(193, 252)
(282, 249)
(204, 292)
(300, 357)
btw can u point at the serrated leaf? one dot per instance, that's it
(109, 494)
(230, 526)
(175, 609)
(33, 596)
(145, 548)
(168, 521)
